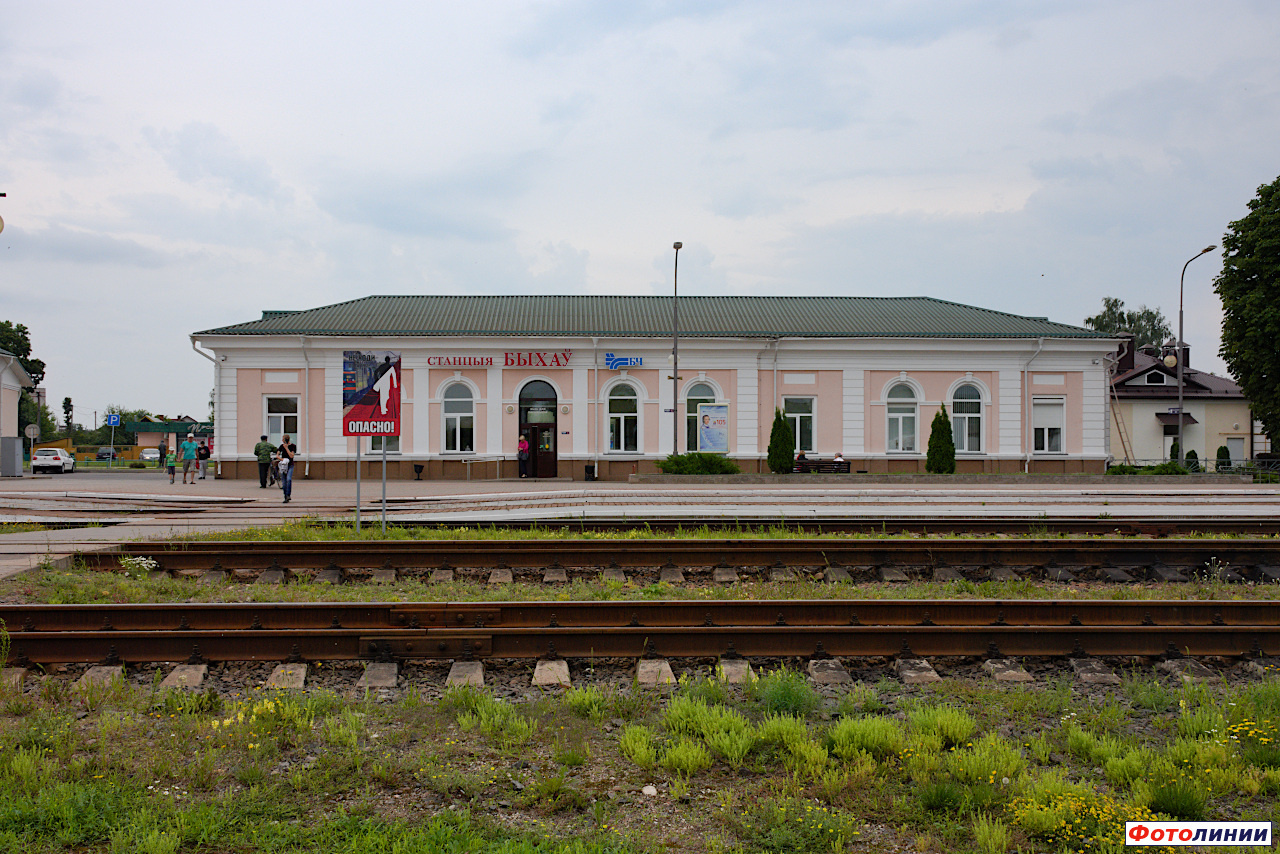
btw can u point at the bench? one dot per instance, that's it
(822, 467)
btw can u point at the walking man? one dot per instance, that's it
(187, 451)
(288, 453)
(262, 451)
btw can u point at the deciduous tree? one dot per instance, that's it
(1148, 325)
(1249, 286)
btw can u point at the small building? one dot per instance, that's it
(1214, 411)
(170, 431)
(13, 379)
(588, 382)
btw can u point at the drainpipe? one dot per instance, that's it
(306, 409)
(595, 394)
(217, 407)
(1027, 442)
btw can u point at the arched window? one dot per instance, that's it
(459, 419)
(624, 418)
(966, 419)
(698, 393)
(901, 433)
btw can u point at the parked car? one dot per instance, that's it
(108, 454)
(149, 455)
(52, 459)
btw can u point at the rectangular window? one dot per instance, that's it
(902, 427)
(1048, 419)
(624, 433)
(393, 444)
(459, 433)
(966, 426)
(281, 418)
(799, 414)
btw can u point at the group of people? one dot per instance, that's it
(194, 457)
(275, 464)
(802, 462)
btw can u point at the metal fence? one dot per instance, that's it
(1268, 468)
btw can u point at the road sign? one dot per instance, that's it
(113, 419)
(32, 431)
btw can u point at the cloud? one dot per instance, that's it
(200, 152)
(61, 244)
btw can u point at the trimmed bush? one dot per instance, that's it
(698, 463)
(942, 445)
(1193, 460)
(782, 445)
(1224, 457)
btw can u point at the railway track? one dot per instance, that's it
(1056, 559)
(46, 634)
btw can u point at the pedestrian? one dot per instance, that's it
(171, 461)
(288, 453)
(202, 457)
(164, 453)
(263, 451)
(522, 454)
(187, 450)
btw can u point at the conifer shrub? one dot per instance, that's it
(942, 445)
(782, 445)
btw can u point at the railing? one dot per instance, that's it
(1267, 470)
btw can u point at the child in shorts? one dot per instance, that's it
(171, 462)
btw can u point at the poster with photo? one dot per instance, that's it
(370, 393)
(713, 428)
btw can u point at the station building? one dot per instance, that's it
(588, 381)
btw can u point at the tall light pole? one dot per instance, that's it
(1182, 452)
(675, 351)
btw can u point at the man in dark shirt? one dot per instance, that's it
(288, 452)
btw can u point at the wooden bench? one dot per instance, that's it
(822, 467)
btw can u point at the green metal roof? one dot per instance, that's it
(650, 316)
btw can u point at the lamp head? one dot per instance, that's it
(1208, 249)
(677, 246)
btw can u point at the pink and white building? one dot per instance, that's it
(588, 381)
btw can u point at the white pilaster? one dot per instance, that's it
(580, 410)
(335, 444)
(225, 433)
(746, 411)
(493, 404)
(1094, 409)
(1010, 432)
(855, 418)
(665, 402)
(421, 409)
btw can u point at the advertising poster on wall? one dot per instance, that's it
(713, 428)
(370, 393)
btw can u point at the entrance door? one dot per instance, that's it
(538, 426)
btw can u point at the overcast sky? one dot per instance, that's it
(172, 167)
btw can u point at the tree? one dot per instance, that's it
(1249, 286)
(1148, 325)
(941, 458)
(782, 445)
(17, 340)
(67, 410)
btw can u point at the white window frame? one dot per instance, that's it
(793, 419)
(1041, 406)
(445, 417)
(623, 418)
(956, 417)
(1155, 378)
(890, 416)
(691, 412)
(393, 445)
(274, 437)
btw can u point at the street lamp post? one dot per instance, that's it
(675, 351)
(1182, 452)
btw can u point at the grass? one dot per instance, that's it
(132, 769)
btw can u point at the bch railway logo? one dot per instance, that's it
(613, 362)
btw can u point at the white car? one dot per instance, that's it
(52, 459)
(149, 455)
